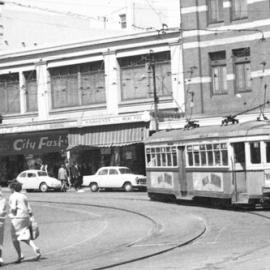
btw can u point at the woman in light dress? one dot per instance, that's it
(20, 213)
(3, 214)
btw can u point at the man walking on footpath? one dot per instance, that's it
(62, 176)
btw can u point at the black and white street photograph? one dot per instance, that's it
(135, 134)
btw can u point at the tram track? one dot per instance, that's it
(154, 233)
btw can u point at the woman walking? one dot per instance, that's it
(20, 213)
(3, 214)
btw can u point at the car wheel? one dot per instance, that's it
(43, 187)
(94, 187)
(127, 187)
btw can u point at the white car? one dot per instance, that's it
(114, 177)
(38, 180)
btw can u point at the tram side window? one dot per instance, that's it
(255, 152)
(268, 152)
(161, 156)
(207, 155)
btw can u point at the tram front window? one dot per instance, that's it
(268, 152)
(239, 152)
(255, 152)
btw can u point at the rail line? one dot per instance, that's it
(156, 228)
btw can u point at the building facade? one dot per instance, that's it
(226, 58)
(90, 102)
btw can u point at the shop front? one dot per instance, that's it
(23, 151)
(109, 145)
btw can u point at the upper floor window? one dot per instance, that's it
(30, 89)
(218, 72)
(9, 93)
(242, 69)
(137, 78)
(123, 20)
(78, 85)
(239, 9)
(215, 11)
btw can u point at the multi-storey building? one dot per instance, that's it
(226, 57)
(90, 102)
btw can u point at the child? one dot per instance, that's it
(3, 213)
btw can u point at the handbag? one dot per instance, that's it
(34, 230)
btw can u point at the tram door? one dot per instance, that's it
(182, 171)
(239, 173)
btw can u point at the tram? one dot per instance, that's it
(219, 163)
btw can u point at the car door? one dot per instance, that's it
(32, 181)
(101, 177)
(113, 179)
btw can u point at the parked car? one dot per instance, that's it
(116, 178)
(38, 180)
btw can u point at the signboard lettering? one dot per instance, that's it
(32, 144)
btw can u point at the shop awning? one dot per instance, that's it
(107, 136)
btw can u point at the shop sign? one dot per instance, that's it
(37, 127)
(142, 117)
(33, 144)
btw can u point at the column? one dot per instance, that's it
(112, 82)
(177, 70)
(23, 104)
(43, 93)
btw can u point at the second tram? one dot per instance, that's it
(227, 163)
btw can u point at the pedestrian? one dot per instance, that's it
(20, 213)
(3, 214)
(44, 167)
(76, 175)
(62, 176)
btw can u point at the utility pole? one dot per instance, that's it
(153, 68)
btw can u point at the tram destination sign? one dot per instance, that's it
(33, 144)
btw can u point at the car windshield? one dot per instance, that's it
(42, 174)
(125, 170)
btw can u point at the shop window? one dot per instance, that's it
(207, 155)
(239, 9)
(161, 156)
(137, 78)
(78, 85)
(30, 88)
(215, 11)
(255, 153)
(9, 93)
(218, 72)
(242, 70)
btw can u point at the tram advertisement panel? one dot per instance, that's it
(208, 181)
(162, 180)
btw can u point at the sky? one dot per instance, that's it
(85, 7)
(38, 17)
